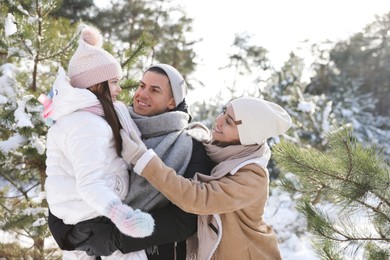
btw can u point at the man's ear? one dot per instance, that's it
(171, 104)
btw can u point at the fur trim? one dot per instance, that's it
(198, 131)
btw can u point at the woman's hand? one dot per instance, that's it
(132, 147)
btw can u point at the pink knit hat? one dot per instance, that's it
(91, 64)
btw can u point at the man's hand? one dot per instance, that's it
(82, 231)
(132, 147)
(105, 240)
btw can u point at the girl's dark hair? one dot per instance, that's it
(102, 92)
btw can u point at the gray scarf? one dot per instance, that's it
(165, 134)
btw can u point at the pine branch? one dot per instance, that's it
(62, 50)
(142, 44)
(352, 178)
(6, 208)
(302, 162)
(347, 146)
(349, 153)
(14, 184)
(49, 8)
(38, 46)
(24, 43)
(375, 209)
(320, 225)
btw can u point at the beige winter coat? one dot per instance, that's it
(239, 200)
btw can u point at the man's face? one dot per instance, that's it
(154, 95)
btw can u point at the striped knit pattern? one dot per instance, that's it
(96, 75)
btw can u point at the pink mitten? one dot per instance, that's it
(134, 223)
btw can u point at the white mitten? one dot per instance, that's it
(134, 223)
(132, 147)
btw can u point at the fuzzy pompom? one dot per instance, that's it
(92, 36)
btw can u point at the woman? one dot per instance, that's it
(230, 202)
(86, 177)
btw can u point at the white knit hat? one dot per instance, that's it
(260, 119)
(178, 84)
(91, 64)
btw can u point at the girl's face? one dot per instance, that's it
(115, 89)
(225, 130)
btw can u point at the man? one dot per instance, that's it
(160, 112)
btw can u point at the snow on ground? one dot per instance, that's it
(289, 226)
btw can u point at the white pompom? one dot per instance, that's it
(92, 36)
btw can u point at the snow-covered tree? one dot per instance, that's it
(243, 58)
(358, 109)
(33, 44)
(311, 114)
(344, 194)
(354, 75)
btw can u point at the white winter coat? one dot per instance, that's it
(85, 175)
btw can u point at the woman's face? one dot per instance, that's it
(225, 130)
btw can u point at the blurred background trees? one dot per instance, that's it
(349, 83)
(335, 156)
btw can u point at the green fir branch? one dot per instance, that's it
(353, 178)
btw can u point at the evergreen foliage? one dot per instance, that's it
(364, 56)
(311, 114)
(32, 51)
(75, 10)
(127, 21)
(33, 45)
(243, 59)
(341, 183)
(345, 194)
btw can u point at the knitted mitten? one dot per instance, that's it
(132, 147)
(134, 223)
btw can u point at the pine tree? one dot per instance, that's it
(34, 44)
(311, 114)
(344, 194)
(164, 22)
(350, 89)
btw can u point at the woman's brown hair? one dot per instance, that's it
(102, 92)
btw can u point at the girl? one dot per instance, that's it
(230, 202)
(86, 177)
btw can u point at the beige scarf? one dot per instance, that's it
(233, 156)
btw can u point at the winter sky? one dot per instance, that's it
(280, 26)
